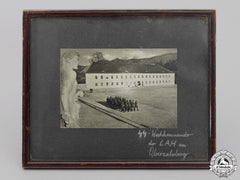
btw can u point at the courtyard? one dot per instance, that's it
(157, 108)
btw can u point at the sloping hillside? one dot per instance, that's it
(159, 64)
(168, 61)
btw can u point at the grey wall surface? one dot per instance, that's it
(228, 88)
(188, 34)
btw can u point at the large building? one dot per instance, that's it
(114, 80)
(120, 73)
(104, 74)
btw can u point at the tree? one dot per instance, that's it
(97, 56)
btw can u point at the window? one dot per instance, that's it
(112, 83)
(156, 76)
(95, 84)
(142, 76)
(146, 76)
(130, 77)
(106, 83)
(116, 76)
(159, 76)
(138, 76)
(117, 83)
(166, 81)
(163, 76)
(101, 84)
(121, 77)
(95, 77)
(134, 76)
(106, 77)
(126, 76)
(149, 82)
(121, 83)
(153, 76)
(149, 76)
(101, 77)
(111, 77)
(153, 82)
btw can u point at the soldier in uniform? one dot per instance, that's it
(128, 105)
(108, 101)
(134, 108)
(131, 105)
(122, 107)
(136, 105)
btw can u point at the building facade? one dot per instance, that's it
(120, 80)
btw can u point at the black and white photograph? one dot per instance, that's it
(118, 88)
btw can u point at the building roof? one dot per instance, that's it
(122, 66)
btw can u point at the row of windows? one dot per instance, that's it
(134, 76)
(146, 82)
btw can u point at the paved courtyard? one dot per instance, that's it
(157, 108)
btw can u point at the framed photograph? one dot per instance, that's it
(119, 89)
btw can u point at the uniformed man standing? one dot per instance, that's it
(136, 105)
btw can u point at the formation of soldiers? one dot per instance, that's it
(122, 104)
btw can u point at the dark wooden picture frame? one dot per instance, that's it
(27, 162)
